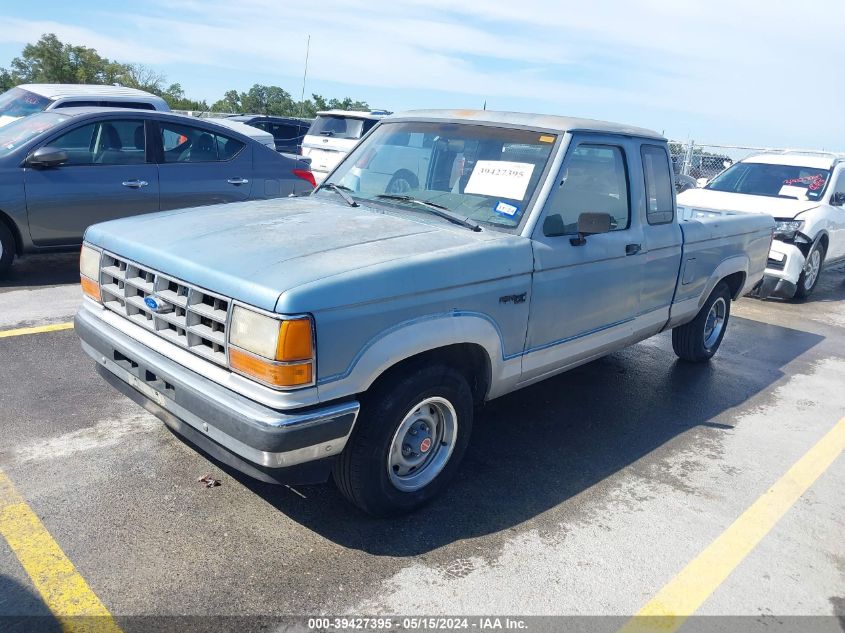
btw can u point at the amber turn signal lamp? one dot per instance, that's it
(268, 372)
(90, 287)
(295, 341)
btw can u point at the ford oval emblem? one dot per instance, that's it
(157, 305)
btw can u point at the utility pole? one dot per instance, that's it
(304, 77)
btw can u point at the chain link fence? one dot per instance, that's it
(694, 163)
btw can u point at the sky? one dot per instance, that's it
(736, 72)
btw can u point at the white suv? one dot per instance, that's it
(332, 136)
(805, 192)
(28, 99)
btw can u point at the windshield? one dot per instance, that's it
(16, 133)
(339, 127)
(777, 181)
(487, 174)
(20, 102)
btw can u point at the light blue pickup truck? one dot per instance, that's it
(451, 258)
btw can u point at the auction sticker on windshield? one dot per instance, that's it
(500, 178)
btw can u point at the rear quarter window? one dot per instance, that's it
(658, 184)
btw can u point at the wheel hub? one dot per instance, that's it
(715, 322)
(422, 444)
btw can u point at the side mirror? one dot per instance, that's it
(47, 157)
(591, 224)
(701, 182)
(838, 199)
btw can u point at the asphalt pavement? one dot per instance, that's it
(582, 495)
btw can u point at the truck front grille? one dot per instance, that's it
(193, 318)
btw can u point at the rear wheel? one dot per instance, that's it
(408, 442)
(809, 277)
(7, 248)
(699, 339)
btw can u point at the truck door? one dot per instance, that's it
(585, 297)
(661, 252)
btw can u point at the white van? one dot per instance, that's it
(28, 99)
(332, 136)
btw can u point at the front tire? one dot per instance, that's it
(809, 277)
(699, 339)
(7, 248)
(408, 442)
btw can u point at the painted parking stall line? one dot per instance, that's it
(39, 329)
(61, 587)
(687, 591)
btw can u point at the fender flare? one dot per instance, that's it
(729, 266)
(413, 337)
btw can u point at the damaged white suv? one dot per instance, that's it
(805, 192)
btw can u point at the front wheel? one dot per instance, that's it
(699, 339)
(7, 248)
(809, 277)
(408, 442)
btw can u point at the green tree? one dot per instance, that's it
(6, 80)
(176, 99)
(231, 102)
(51, 61)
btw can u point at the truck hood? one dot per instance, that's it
(6, 119)
(709, 200)
(256, 251)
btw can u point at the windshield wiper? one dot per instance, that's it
(341, 191)
(437, 209)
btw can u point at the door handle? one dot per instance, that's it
(134, 184)
(633, 249)
(238, 181)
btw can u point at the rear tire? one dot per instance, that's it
(809, 278)
(408, 442)
(699, 339)
(7, 248)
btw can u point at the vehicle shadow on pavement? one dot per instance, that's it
(534, 449)
(42, 270)
(21, 610)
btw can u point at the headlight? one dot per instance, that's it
(786, 229)
(275, 351)
(89, 271)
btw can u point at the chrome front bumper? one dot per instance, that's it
(268, 444)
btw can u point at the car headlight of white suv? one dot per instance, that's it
(787, 229)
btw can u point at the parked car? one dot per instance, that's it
(354, 331)
(265, 138)
(333, 135)
(28, 99)
(805, 193)
(63, 170)
(288, 132)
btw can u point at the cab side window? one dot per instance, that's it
(658, 184)
(595, 180)
(111, 142)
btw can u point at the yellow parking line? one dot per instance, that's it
(62, 589)
(687, 591)
(36, 330)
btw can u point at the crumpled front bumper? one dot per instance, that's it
(783, 268)
(274, 446)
